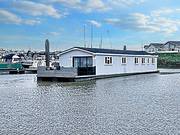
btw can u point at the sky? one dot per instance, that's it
(26, 24)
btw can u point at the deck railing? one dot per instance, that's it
(86, 71)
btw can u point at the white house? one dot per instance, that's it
(168, 47)
(96, 61)
(172, 46)
(154, 47)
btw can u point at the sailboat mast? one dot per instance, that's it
(84, 35)
(100, 45)
(91, 35)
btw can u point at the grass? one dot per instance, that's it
(169, 60)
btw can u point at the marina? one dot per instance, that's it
(89, 67)
(22, 62)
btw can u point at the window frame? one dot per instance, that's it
(153, 60)
(148, 60)
(123, 60)
(108, 60)
(136, 60)
(143, 60)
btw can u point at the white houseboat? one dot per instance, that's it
(87, 63)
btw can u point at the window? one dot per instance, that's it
(153, 60)
(124, 60)
(136, 60)
(143, 60)
(148, 61)
(108, 60)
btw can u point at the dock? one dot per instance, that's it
(72, 75)
(169, 71)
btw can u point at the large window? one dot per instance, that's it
(108, 60)
(124, 60)
(82, 61)
(136, 60)
(143, 60)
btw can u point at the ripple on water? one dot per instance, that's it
(142, 104)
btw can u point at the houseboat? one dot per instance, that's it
(80, 63)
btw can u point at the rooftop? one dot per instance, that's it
(113, 51)
(174, 42)
(157, 44)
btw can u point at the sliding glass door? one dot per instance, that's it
(82, 61)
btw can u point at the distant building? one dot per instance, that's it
(172, 46)
(154, 47)
(2, 51)
(169, 47)
(1, 54)
(7, 58)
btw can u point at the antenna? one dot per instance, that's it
(142, 46)
(108, 33)
(100, 45)
(84, 35)
(91, 35)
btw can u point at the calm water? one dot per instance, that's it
(140, 105)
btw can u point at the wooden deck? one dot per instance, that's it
(71, 75)
(42, 72)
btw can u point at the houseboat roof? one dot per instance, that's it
(113, 51)
(108, 51)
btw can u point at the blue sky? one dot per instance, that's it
(27, 23)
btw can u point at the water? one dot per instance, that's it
(138, 105)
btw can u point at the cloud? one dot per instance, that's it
(95, 23)
(88, 6)
(155, 22)
(85, 6)
(160, 12)
(11, 18)
(97, 5)
(8, 17)
(36, 9)
(31, 22)
(53, 33)
(125, 2)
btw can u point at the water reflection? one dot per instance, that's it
(142, 104)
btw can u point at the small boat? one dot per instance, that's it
(11, 68)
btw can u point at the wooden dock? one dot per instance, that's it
(71, 75)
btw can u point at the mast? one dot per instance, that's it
(91, 35)
(108, 33)
(100, 45)
(84, 35)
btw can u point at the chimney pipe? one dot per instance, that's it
(47, 52)
(125, 48)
